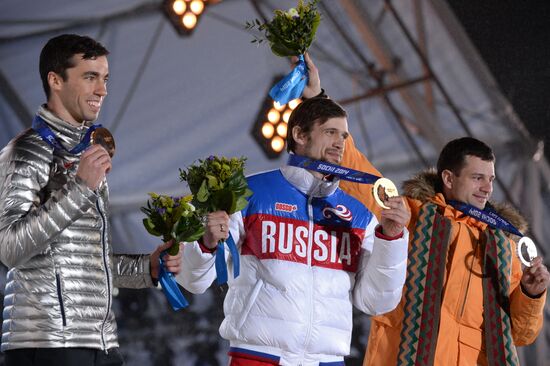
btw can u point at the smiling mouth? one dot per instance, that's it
(95, 105)
(334, 153)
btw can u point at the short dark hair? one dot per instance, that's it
(308, 113)
(58, 52)
(454, 154)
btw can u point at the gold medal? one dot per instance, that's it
(383, 189)
(103, 137)
(527, 250)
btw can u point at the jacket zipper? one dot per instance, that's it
(107, 275)
(60, 296)
(310, 267)
(471, 269)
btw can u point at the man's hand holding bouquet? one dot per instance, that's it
(218, 184)
(290, 33)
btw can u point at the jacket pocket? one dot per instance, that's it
(471, 337)
(250, 302)
(60, 297)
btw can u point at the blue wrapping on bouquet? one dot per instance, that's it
(221, 265)
(291, 86)
(170, 287)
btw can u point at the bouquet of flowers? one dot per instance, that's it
(289, 33)
(172, 218)
(218, 183)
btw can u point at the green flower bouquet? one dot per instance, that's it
(217, 183)
(289, 33)
(172, 218)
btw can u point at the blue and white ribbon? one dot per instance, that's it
(487, 216)
(170, 287)
(41, 127)
(292, 85)
(332, 169)
(221, 265)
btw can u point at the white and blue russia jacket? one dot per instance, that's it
(308, 252)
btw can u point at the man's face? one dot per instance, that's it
(473, 185)
(80, 96)
(325, 142)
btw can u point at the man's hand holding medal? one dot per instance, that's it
(95, 162)
(535, 278)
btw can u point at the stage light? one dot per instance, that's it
(286, 115)
(179, 7)
(189, 20)
(293, 103)
(197, 6)
(271, 126)
(273, 116)
(185, 14)
(277, 144)
(278, 107)
(268, 130)
(281, 129)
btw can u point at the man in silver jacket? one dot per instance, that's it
(54, 231)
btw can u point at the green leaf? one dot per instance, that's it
(150, 227)
(213, 183)
(203, 193)
(240, 204)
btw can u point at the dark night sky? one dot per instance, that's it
(513, 37)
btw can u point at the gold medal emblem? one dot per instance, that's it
(527, 250)
(383, 189)
(103, 137)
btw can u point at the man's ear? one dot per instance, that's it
(300, 138)
(55, 81)
(447, 177)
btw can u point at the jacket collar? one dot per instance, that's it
(68, 134)
(307, 183)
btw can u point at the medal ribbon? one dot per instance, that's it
(170, 287)
(332, 169)
(221, 266)
(41, 127)
(292, 85)
(487, 216)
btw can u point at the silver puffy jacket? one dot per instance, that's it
(54, 238)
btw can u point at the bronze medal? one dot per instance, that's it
(103, 137)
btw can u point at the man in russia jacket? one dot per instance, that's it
(309, 252)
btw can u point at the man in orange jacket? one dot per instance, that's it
(466, 300)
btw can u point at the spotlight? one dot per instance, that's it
(184, 14)
(271, 126)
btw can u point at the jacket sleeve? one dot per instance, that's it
(526, 313)
(354, 159)
(27, 223)
(132, 271)
(198, 267)
(381, 274)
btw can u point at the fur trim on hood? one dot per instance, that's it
(423, 187)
